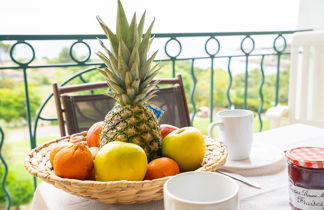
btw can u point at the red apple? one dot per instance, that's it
(166, 129)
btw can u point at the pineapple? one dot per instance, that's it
(130, 75)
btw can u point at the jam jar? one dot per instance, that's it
(306, 178)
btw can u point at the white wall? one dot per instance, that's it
(311, 14)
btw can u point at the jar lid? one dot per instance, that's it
(309, 157)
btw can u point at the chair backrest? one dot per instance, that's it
(306, 95)
(81, 111)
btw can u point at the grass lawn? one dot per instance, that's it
(15, 153)
(20, 181)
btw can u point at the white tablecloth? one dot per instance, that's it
(272, 196)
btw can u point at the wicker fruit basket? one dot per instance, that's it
(123, 192)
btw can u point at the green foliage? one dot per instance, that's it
(63, 57)
(8, 106)
(9, 180)
(13, 104)
(252, 104)
(221, 81)
(268, 90)
(7, 83)
(20, 190)
(4, 47)
(41, 79)
(201, 94)
(93, 76)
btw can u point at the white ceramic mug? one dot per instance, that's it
(235, 129)
(200, 191)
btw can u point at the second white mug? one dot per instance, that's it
(236, 131)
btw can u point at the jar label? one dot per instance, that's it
(309, 199)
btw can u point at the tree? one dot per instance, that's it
(13, 104)
(63, 57)
(268, 89)
(4, 48)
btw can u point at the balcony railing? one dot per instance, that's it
(213, 57)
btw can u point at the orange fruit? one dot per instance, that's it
(161, 167)
(57, 149)
(94, 134)
(73, 162)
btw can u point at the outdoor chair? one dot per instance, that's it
(306, 95)
(81, 111)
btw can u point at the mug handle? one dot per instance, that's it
(211, 126)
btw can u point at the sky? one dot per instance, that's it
(78, 17)
(171, 16)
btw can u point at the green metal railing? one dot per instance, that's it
(24, 67)
(5, 174)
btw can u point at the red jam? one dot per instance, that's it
(306, 178)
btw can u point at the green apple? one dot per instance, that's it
(186, 146)
(120, 161)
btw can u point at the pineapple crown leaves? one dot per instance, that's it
(129, 72)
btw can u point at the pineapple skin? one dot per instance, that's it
(133, 124)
